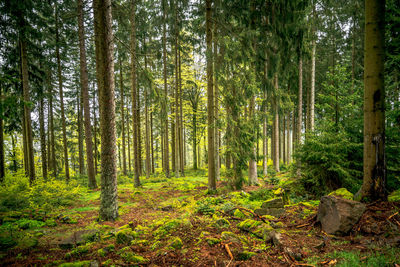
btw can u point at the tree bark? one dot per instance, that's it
(253, 179)
(85, 98)
(276, 126)
(42, 138)
(135, 112)
(165, 100)
(52, 137)
(2, 163)
(312, 92)
(121, 82)
(210, 101)
(177, 110)
(374, 182)
(105, 81)
(147, 121)
(80, 136)
(27, 111)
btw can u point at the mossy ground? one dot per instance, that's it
(176, 222)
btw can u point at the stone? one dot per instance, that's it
(276, 212)
(257, 228)
(337, 215)
(272, 203)
(77, 238)
(229, 236)
(343, 193)
(275, 238)
(167, 208)
(125, 236)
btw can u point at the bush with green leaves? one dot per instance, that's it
(326, 162)
(17, 194)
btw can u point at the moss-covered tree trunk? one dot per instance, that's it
(374, 182)
(105, 81)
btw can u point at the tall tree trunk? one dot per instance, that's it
(121, 82)
(194, 146)
(177, 110)
(288, 135)
(164, 102)
(42, 139)
(182, 146)
(129, 145)
(96, 156)
(135, 112)
(25, 144)
(265, 136)
(299, 109)
(85, 98)
(374, 182)
(2, 163)
(27, 111)
(60, 87)
(146, 115)
(276, 126)
(53, 142)
(253, 179)
(216, 61)
(312, 93)
(284, 136)
(80, 136)
(152, 143)
(105, 81)
(210, 101)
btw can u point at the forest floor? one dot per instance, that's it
(174, 222)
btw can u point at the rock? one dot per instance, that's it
(273, 203)
(125, 236)
(338, 215)
(176, 243)
(276, 212)
(343, 193)
(257, 228)
(94, 264)
(276, 238)
(78, 238)
(229, 236)
(212, 241)
(221, 223)
(295, 255)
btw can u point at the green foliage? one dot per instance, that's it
(325, 162)
(29, 224)
(206, 206)
(42, 195)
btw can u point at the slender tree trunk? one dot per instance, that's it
(194, 126)
(53, 142)
(27, 112)
(147, 122)
(42, 139)
(284, 136)
(276, 126)
(374, 182)
(14, 153)
(312, 93)
(2, 163)
(216, 61)
(96, 156)
(152, 143)
(182, 147)
(80, 136)
(135, 112)
(165, 106)
(210, 100)
(105, 80)
(177, 110)
(129, 146)
(49, 164)
(288, 138)
(121, 82)
(253, 179)
(60, 86)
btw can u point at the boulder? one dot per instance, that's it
(273, 207)
(78, 238)
(338, 215)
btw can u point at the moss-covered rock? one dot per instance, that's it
(245, 255)
(221, 223)
(75, 264)
(78, 251)
(343, 193)
(125, 236)
(229, 236)
(176, 243)
(156, 245)
(257, 228)
(128, 255)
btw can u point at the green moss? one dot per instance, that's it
(176, 243)
(213, 241)
(50, 223)
(343, 193)
(239, 214)
(257, 228)
(394, 196)
(221, 223)
(78, 251)
(125, 236)
(28, 241)
(248, 225)
(101, 252)
(229, 236)
(245, 255)
(156, 245)
(75, 264)
(127, 255)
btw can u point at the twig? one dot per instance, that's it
(229, 251)
(391, 216)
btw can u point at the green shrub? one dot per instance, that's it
(42, 195)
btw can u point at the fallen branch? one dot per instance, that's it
(228, 251)
(391, 216)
